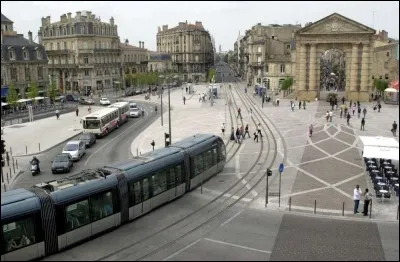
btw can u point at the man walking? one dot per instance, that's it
(359, 111)
(364, 112)
(246, 131)
(367, 200)
(77, 111)
(363, 124)
(356, 197)
(330, 116)
(255, 136)
(348, 118)
(310, 130)
(239, 113)
(300, 104)
(223, 129)
(394, 128)
(259, 130)
(184, 100)
(304, 104)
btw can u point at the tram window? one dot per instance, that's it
(19, 234)
(214, 155)
(138, 193)
(221, 151)
(198, 164)
(102, 205)
(77, 215)
(179, 175)
(208, 159)
(146, 190)
(171, 178)
(159, 182)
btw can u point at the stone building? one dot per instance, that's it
(191, 48)
(22, 61)
(84, 52)
(133, 59)
(159, 62)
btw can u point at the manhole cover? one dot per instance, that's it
(16, 126)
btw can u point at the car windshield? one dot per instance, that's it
(134, 109)
(61, 158)
(104, 99)
(91, 124)
(71, 147)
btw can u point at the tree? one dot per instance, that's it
(12, 96)
(380, 85)
(53, 91)
(211, 73)
(33, 91)
(286, 84)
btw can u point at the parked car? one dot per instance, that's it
(134, 112)
(104, 101)
(62, 163)
(72, 98)
(129, 92)
(86, 101)
(75, 148)
(88, 138)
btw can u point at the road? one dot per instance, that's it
(224, 74)
(113, 148)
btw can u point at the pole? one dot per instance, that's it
(169, 115)
(201, 184)
(266, 192)
(280, 173)
(162, 122)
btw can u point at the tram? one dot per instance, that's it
(54, 215)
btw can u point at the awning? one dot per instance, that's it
(391, 90)
(380, 147)
(395, 84)
(4, 91)
(24, 100)
(3, 104)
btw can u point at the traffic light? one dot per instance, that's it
(3, 146)
(166, 138)
(269, 172)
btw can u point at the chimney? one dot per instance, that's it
(44, 20)
(40, 38)
(78, 15)
(159, 29)
(126, 42)
(200, 24)
(63, 18)
(88, 13)
(111, 21)
(48, 20)
(181, 23)
(165, 27)
(69, 15)
(30, 37)
(142, 44)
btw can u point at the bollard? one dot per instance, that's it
(290, 203)
(13, 165)
(397, 212)
(16, 163)
(343, 209)
(10, 151)
(26, 149)
(10, 173)
(5, 189)
(8, 180)
(39, 147)
(370, 209)
(315, 206)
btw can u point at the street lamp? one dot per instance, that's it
(161, 91)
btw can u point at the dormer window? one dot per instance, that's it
(25, 54)
(11, 53)
(38, 53)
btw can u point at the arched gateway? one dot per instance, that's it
(334, 54)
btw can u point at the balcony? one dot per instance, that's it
(58, 52)
(85, 51)
(85, 66)
(106, 50)
(257, 64)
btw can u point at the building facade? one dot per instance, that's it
(159, 62)
(191, 49)
(133, 59)
(22, 61)
(84, 52)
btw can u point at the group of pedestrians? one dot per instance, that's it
(357, 195)
(240, 134)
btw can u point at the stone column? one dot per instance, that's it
(302, 68)
(313, 67)
(365, 68)
(354, 68)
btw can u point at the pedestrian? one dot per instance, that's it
(251, 112)
(277, 101)
(379, 107)
(292, 105)
(239, 113)
(345, 110)
(365, 111)
(200, 100)
(232, 138)
(242, 132)
(343, 100)
(89, 109)
(155, 108)
(310, 130)
(336, 105)
(246, 130)
(255, 136)
(237, 135)
(348, 118)
(330, 116)
(327, 116)
(304, 104)
(184, 100)
(259, 130)
(299, 104)
(367, 200)
(359, 111)
(341, 112)
(57, 114)
(363, 124)
(394, 128)
(223, 129)
(77, 111)
(354, 108)
(357, 197)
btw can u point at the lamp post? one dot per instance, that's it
(169, 110)
(161, 91)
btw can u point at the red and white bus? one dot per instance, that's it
(101, 122)
(123, 110)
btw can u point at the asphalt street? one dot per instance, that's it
(114, 147)
(224, 74)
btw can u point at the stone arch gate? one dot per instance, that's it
(334, 32)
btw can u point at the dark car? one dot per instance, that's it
(72, 98)
(88, 138)
(62, 163)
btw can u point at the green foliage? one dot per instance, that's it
(53, 91)
(331, 95)
(211, 73)
(287, 83)
(380, 84)
(33, 91)
(12, 96)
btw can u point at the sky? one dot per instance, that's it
(139, 20)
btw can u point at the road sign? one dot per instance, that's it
(281, 167)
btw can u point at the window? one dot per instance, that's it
(86, 72)
(159, 182)
(208, 159)
(221, 151)
(198, 165)
(288, 46)
(258, 80)
(65, 45)
(259, 49)
(19, 233)
(282, 69)
(266, 68)
(58, 46)
(86, 60)
(171, 178)
(11, 54)
(386, 76)
(26, 57)
(77, 215)
(38, 54)
(27, 74)
(102, 206)
(146, 191)
(388, 54)
(14, 74)
(40, 73)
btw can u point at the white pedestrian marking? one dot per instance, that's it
(239, 246)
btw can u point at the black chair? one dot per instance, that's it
(377, 193)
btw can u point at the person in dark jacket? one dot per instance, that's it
(363, 124)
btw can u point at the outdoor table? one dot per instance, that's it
(383, 191)
(388, 167)
(386, 163)
(378, 177)
(395, 178)
(370, 162)
(381, 184)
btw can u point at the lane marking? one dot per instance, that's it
(106, 144)
(239, 246)
(181, 250)
(230, 219)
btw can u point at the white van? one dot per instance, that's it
(132, 105)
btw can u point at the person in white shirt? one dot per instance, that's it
(223, 129)
(330, 115)
(357, 197)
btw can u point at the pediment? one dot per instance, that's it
(336, 24)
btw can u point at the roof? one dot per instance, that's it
(127, 46)
(183, 27)
(5, 19)
(18, 43)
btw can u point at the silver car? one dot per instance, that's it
(76, 149)
(134, 112)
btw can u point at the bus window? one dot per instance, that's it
(91, 124)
